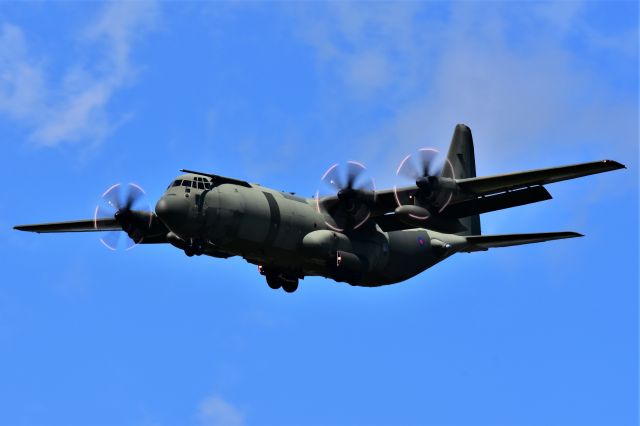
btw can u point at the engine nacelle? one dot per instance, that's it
(412, 215)
(349, 262)
(346, 266)
(323, 244)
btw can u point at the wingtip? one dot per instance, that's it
(614, 164)
(568, 234)
(571, 234)
(24, 228)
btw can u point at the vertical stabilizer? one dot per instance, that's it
(462, 165)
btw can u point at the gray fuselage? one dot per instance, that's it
(280, 231)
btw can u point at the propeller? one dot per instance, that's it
(125, 204)
(434, 193)
(354, 191)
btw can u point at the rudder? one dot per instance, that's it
(461, 164)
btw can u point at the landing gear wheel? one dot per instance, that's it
(289, 286)
(195, 248)
(273, 282)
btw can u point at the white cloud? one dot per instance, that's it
(74, 109)
(360, 42)
(524, 93)
(215, 411)
(368, 71)
(21, 80)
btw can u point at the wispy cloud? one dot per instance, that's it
(215, 411)
(361, 45)
(523, 93)
(74, 109)
(21, 79)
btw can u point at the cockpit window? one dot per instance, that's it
(200, 183)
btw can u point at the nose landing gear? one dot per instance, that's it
(191, 246)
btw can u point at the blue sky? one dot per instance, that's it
(97, 93)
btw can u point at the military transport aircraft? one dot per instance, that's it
(359, 235)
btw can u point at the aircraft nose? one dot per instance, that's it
(172, 210)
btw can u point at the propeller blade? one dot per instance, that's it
(332, 177)
(111, 239)
(408, 169)
(354, 170)
(134, 194)
(427, 161)
(112, 197)
(131, 243)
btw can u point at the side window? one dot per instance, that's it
(186, 183)
(200, 185)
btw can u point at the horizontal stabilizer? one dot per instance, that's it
(87, 225)
(499, 183)
(485, 242)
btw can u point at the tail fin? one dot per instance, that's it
(461, 164)
(485, 242)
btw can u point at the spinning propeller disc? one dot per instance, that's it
(424, 167)
(355, 194)
(118, 202)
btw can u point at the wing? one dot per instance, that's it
(88, 225)
(464, 207)
(499, 183)
(153, 230)
(485, 194)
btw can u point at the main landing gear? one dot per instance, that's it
(276, 280)
(195, 247)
